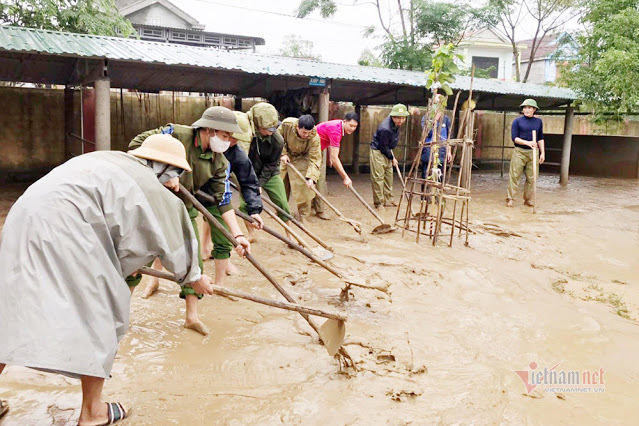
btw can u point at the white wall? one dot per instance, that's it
(505, 55)
(158, 15)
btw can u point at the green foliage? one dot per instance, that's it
(327, 8)
(446, 22)
(606, 70)
(479, 72)
(294, 47)
(410, 31)
(368, 59)
(443, 69)
(401, 54)
(77, 16)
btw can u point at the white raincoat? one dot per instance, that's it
(68, 243)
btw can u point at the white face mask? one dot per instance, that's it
(218, 145)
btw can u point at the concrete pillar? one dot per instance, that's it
(565, 152)
(356, 140)
(68, 123)
(102, 114)
(324, 99)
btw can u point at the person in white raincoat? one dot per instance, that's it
(67, 245)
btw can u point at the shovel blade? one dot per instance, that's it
(383, 229)
(332, 333)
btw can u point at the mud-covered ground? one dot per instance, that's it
(440, 346)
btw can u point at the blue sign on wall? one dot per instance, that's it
(317, 81)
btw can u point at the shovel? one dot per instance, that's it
(324, 254)
(399, 173)
(349, 282)
(297, 223)
(331, 332)
(356, 225)
(223, 291)
(384, 228)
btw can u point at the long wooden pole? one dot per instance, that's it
(222, 291)
(190, 197)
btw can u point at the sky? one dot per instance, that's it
(338, 39)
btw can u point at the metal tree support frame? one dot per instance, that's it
(441, 186)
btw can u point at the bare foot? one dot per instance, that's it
(196, 325)
(323, 216)
(151, 288)
(206, 252)
(509, 203)
(528, 203)
(391, 203)
(231, 269)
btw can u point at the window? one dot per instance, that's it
(212, 39)
(488, 64)
(178, 35)
(194, 37)
(152, 33)
(230, 41)
(244, 42)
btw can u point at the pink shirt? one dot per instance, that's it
(330, 133)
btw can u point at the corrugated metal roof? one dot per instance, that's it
(26, 40)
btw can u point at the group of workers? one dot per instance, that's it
(76, 236)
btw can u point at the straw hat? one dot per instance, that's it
(164, 149)
(218, 118)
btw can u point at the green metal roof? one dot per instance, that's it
(17, 42)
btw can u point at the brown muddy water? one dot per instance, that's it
(441, 346)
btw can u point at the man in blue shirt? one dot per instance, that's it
(382, 160)
(522, 159)
(443, 123)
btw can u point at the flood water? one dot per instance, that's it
(440, 346)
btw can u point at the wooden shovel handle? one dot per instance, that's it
(248, 256)
(222, 291)
(370, 209)
(301, 176)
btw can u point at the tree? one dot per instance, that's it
(294, 47)
(410, 29)
(605, 72)
(368, 59)
(78, 16)
(549, 16)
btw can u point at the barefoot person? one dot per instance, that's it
(331, 134)
(66, 246)
(522, 159)
(205, 141)
(302, 149)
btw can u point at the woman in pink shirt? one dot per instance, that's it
(331, 134)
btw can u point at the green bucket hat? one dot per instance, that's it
(399, 110)
(218, 118)
(247, 133)
(529, 102)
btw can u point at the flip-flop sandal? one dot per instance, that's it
(116, 412)
(4, 407)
